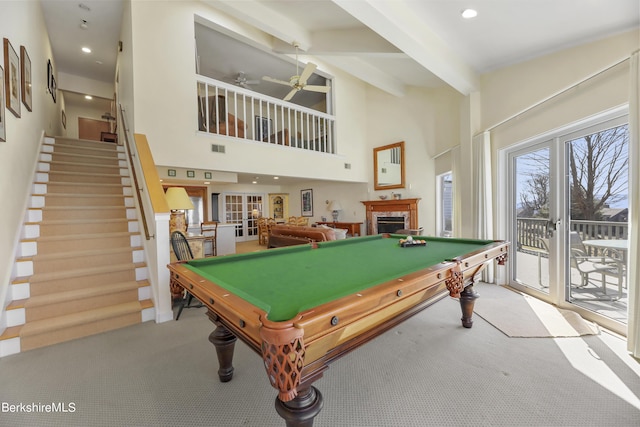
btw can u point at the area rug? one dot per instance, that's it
(520, 315)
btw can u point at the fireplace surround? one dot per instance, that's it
(402, 208)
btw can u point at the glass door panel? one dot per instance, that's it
(243, 211)
(597, 211)
(531, 211)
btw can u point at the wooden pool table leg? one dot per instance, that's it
(467, 300)
(225, 342)
(301, 411)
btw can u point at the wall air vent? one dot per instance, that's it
(347, 165)
(217, 148)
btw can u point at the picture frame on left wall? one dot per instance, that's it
(3, 129)
(25, 78)
(12, 78)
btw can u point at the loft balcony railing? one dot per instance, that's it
(233, 111)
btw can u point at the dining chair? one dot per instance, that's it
(209, 229)
(183, 252)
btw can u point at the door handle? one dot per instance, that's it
(552, 226)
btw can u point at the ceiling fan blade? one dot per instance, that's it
(272, 80)
(314, 88)
(306, 73)
(290, 94)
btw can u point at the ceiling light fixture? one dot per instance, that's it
(86, 50)
(88, 97)
(469, 13)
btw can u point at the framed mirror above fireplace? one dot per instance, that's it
(388, 166)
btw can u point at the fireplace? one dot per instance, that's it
(403, 211)
(390, 224)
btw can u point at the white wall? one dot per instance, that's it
(512, 89)
(23, 24)
(164, 87)
(166, 109)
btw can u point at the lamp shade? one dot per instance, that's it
(334, 206)
(177, 198)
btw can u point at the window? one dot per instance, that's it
(444, 220)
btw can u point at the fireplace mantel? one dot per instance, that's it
(407, 206)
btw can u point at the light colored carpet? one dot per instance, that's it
(519, 315)
(428, 371)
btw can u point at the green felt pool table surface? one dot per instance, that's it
(286, 281)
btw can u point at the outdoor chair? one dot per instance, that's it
(588, 264)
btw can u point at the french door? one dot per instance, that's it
(568, 219)
(243, 210)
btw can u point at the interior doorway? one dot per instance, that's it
(242, 209)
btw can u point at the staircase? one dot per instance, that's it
(80, 268)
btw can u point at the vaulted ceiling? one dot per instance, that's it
(391, 44)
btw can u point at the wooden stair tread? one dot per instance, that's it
(80, 272)
(78, 294)
(11, 332)
(81, 195)
(78, 221)
(80, 174)
(72, 183)
(76, 254)
(47, 325)
(83, 236)
(77, 208)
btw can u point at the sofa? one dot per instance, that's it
(289, 235)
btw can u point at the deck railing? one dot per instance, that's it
(236, 112)
(529, 231)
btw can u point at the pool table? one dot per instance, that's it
(303, 307)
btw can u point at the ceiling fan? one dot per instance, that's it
(241, 80)
(299, 81)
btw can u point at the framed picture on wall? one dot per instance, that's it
(3, 130)
(306, 201)
(49, 75)
(12, 78)
(54, 89)
(25, 78)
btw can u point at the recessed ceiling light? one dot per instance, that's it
(88, 97)
(254, 182)
(469, 13)
(86, 50)
(276, 177)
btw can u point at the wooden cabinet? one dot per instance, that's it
(279, 206)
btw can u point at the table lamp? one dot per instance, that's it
(178, 201)
(334, 207)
